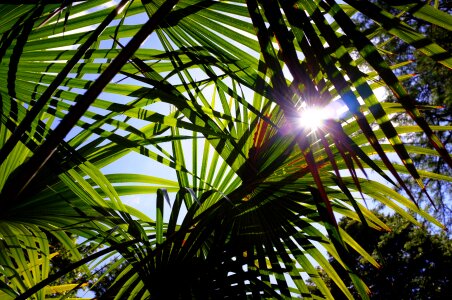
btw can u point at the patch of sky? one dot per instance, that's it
(137, 19)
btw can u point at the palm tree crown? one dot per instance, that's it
(222, 94)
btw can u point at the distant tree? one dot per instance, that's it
(415, 264)
(98, 282)
(104, 278)
(62, 258)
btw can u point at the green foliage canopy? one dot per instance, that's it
(254, 203)
(415, 263)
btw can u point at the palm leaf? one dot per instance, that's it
(254, 204)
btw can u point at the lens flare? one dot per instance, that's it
(313, 117)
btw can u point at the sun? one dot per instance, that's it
(314, 117)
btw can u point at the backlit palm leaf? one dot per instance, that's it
(212, 91)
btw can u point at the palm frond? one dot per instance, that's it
(212, 91)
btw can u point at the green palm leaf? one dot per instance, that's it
(211, 91)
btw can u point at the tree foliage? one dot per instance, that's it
(415, 264)
(431, 85)
(213, 92)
